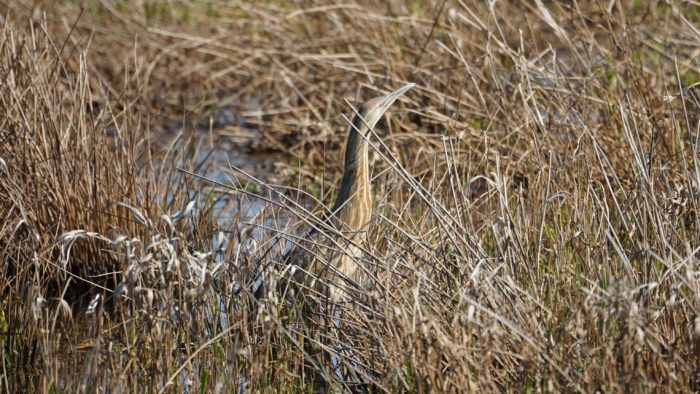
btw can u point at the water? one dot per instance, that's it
(224, 141)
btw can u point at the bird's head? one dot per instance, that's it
(356, 173)
(372, 110)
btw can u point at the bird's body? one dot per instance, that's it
(325, 261)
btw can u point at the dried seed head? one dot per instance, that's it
(37, 307)
(93, 305)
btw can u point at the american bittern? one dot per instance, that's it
(320, 264)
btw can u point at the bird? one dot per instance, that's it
(326, 258)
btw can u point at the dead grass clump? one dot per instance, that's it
(69, 169)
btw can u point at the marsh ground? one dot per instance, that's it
(535, 223)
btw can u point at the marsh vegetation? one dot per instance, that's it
(535, 225)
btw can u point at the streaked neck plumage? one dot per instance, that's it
(353, 206)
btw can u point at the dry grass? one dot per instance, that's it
(535, 225)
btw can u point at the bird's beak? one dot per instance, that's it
(385, 102)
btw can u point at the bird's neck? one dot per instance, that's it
(354, 203)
